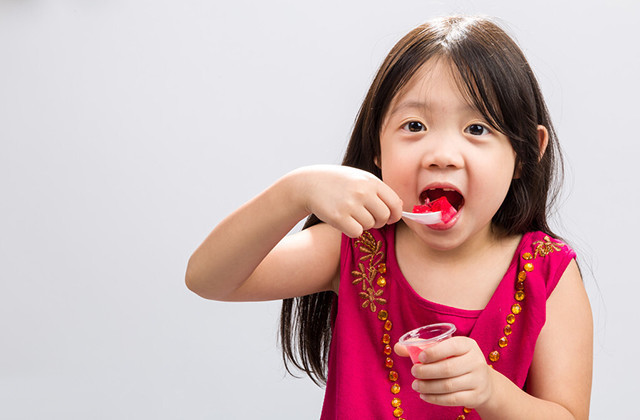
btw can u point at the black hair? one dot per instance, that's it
(494, 75)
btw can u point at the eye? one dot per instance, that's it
(414, 126)
(477, 130)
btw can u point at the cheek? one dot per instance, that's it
(505, 161)
(494, 175)
(504, 176)
(394, 163)
(397, 173)
(388, 162)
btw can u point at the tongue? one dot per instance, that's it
(441, 205)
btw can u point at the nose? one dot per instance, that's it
(442, 151)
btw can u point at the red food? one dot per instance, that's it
(442, 205)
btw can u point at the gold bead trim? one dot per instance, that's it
(507, 330)
(542, 248)
(369, 275)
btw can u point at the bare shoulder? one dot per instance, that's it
(300, 264)
(563, 360)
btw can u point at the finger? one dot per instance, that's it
(364, 218)
(454, 346)
(379, 210)
(462, 398)
(443, 386)
(446, 368)
(392, 201)
(350, 227)
(401, 350)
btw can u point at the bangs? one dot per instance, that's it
(494, 76)
(479, 93)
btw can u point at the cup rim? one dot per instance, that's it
(450, 329)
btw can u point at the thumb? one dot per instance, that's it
(401, 350)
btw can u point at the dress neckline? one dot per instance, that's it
(393, 265)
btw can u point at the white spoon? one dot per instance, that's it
(430, 218)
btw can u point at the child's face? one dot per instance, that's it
(434, 143)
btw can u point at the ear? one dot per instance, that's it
(376, 161)
(543, 140)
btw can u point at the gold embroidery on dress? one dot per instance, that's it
(371, 297)
(367, 275)
(371, 248)
(546, 246)
(370, 272)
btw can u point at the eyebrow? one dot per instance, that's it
(408, 105)
(411, 104)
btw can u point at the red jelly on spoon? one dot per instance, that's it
(442, 205)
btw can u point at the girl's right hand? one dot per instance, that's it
(349, 199)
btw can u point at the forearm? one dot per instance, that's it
(509, 402)
(236, 261)
(237, 245)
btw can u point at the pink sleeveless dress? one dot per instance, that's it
(376, 305)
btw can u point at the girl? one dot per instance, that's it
(454, 111)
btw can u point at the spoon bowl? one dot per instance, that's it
(430, 218)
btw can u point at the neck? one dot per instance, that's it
(463, 277)
(478, 245)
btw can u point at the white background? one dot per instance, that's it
(128, 129)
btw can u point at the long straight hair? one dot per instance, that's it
(495, 77)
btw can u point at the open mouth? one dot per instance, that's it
(453, 197)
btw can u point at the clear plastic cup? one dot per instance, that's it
(419, 339)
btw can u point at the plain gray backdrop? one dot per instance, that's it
(128, 129)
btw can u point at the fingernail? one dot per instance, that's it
(414, 385)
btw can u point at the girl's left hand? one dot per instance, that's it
(452, 373)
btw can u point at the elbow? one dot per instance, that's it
(192, 280)
(201, 284)
(189, 279)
